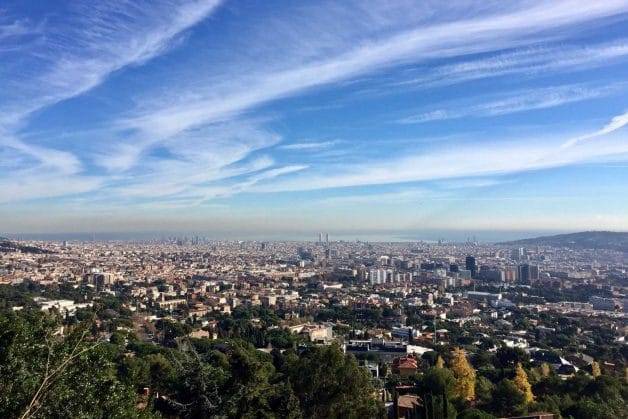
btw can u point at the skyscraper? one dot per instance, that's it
(517, 254)
(527, 273)
(471, 265)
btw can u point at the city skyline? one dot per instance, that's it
(292, 119)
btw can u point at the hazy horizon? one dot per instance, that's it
(303, 236)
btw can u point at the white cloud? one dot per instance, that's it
(382, 198)
(459, 161)
(522, 62)
(99, 40)
(62, 161)
(73, 58)
(185, 148)
(193, 164)
(15, 29)
(314, 145)
(40, 183)
(615, 124)
(517, 101)
(480, 34)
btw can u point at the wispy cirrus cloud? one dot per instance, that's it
(71, 58)
(523, 62)
(14, 28)
(95, 41)
(411, 195)
(308, 145)
(516, 101)
(217, 161)
(187, 136)
(453, 161)
(229, 99)
(617, 123)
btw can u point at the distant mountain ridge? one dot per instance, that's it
(607, 240)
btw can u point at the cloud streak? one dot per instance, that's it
(459, 161)
(313, 145)
(518, 101)
(446, 39)
(191, 127)
(105, 38)
(617, 123)
(526, 62)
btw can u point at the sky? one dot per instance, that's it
(281, 118)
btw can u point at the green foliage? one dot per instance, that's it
(507, 398)
(198, 379)
(438, 381)
(484, 390)
(506, 357)
(43, 374)
(330, 384)
(594, 409)
(172, 330)
(438, 406)
(230, 378)
(259, 335)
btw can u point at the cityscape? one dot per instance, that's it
(355, 209)
(397, 308)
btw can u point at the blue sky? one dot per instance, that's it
(284, 117)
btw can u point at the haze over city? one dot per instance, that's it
(354, 209)
(282, 118)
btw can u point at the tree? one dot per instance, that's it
(590, 409)
(439, 362)
(522, 383)
(430, 357)
(172, 330)
(484, 390)
(330, 384)
(595, 369)
(546, 370)
(508, 357)
(507, 398)
(47, 374)
(464, 374)
(197, 387)
(437, 381)
(482, 359)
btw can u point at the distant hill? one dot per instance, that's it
(7, 245)
(608, 240)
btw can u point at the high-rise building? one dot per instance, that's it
(378, 276)
(471, 265)
(510, 275)
(534, 273)
(517, 254)
(526, 273)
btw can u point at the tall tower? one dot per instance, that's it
(471, 265)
